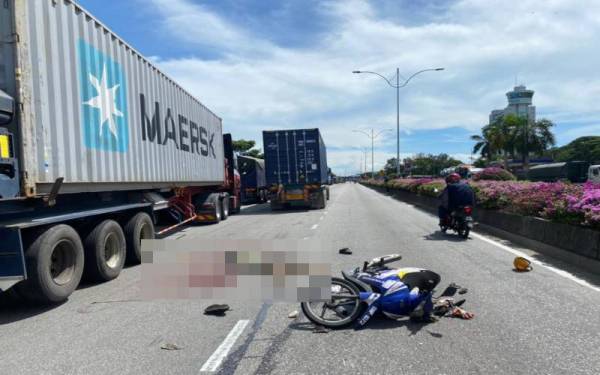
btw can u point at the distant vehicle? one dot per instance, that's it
(296, 166)
(254, 183)
(574, 171)
(594, 173)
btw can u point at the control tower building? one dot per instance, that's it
(520, 101)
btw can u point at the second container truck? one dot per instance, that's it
(296, 168)
(95, 142)
(254, 183)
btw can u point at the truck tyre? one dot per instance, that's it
(218, 210)
(105, 251)
(55, 262)
(322, 201)
(327, 192)
(139, 227)
(225, 207)
(238, 207)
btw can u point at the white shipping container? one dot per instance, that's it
(94, 111)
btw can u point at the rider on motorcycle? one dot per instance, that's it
(456, 194)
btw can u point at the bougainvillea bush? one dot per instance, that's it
(495, 174)
(556, 201)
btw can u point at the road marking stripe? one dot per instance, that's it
(314, 227)
(322, 217)
(560, 272)
(213, 363)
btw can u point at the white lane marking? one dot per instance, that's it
(314, 227)
(249, 206)
(213, 363)
(326, 212)
(560, 272)
(322, 217)
(306, 238)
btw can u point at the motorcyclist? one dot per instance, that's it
(456, 194)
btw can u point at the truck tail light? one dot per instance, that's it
(468, 210)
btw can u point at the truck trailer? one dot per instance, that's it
(573, 171)
(296, 168)
(96, 143)
(254, 183)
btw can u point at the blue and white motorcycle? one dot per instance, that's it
(360, 294)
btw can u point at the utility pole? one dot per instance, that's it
(397, 86)
(372, 136)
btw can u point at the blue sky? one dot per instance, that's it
(287, 64)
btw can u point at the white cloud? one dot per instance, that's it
(255, 84)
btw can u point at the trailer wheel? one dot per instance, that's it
(225, 207)
(105, 251)
(55, 262)
(218, 206)
(327, 191)
(139, 227)
(321, 200)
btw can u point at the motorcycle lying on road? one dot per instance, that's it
(360, 294)
(460, 221)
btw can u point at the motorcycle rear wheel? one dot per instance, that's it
(316, 312)
(464, 232)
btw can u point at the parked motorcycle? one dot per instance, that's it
(360, 294)
(460, 221)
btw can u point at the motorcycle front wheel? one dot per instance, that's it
(342, 309)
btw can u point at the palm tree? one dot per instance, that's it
(495, 139)
(536, 137)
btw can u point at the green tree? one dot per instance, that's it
(510, 134)
(581, 149)
(255, 153)
(429, 164)
(536, 138)
(243, 145)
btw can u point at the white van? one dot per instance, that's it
(594, 173)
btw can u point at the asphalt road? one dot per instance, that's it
(542, 322)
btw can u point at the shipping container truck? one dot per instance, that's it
(254, 183)
(296, 168)
(573, 171)
(96, 143)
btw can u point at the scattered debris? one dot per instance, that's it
(463, 314)
(522, 265)
(450, 290)
(218, 310)
(293, 314)
(320, 329)
(345, 251)
(463, 291)
(170, 346)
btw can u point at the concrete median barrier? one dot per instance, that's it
(572, 238)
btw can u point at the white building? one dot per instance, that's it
(519, 103)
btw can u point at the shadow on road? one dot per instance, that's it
(440, 236)
(265, 209)
(13, 308)
(378, 322)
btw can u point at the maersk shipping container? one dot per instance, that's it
(95, 112)
(295, 157)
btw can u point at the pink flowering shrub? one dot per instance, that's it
(494, 173)
(557, 201)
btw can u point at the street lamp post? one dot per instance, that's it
(397, 86)
(372, 136)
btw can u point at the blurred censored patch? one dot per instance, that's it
(258, 270)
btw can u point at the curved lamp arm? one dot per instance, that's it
(405, 82)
